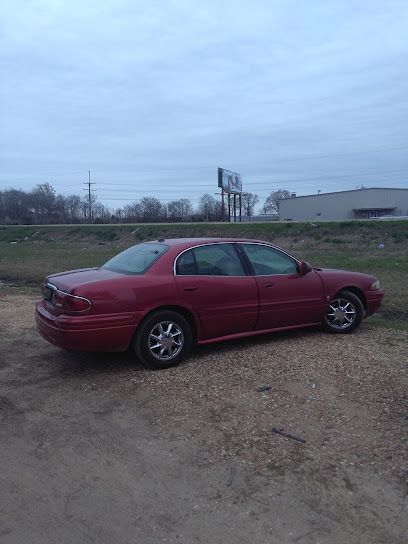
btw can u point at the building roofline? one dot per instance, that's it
(348, 191)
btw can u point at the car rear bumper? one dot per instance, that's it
(112, 332)
(374, 299)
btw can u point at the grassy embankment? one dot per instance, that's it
(351, 245)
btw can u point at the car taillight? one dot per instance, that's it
(70, 303)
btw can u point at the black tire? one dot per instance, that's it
(345, 313)
(163, 340)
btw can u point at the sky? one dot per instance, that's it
(152, 96)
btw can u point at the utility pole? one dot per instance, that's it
(89, 195)
(89, 183)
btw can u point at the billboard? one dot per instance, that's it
(231, 182)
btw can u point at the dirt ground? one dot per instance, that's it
(96, 449)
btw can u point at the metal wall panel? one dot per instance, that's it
(341, 205)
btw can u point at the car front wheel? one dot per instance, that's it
(163, 340)
(344, 314)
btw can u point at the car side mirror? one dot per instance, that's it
(305, 268)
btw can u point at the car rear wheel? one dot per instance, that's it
(163, 340)
(344, 314)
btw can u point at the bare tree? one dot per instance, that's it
(15, 207)
(73, 208)
(101, 213)
(249, 201)
(132, 212)
(152, 209)
(209, 208)
(43, 199)
(44, 206)
(179, 210)
(272, 201)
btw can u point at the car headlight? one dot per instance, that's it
(375, 286)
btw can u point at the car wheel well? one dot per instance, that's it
(180, 310)
(356, 291)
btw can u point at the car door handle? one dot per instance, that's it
(267, 285)
(192, 288)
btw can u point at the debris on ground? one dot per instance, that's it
(288, 435)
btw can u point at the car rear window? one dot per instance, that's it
(137, 259)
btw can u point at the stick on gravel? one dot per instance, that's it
(288, 435)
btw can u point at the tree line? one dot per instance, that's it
(42, 205)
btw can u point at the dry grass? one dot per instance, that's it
(348, 245)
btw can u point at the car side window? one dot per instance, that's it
(186, 264)
(210, 260)
(267, 261)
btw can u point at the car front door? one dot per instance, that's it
(287, 296)
(213, 280)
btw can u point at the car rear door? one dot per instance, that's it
(287, 297)
(212, 279)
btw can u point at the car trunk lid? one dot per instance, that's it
(66, 291)
(74, 279)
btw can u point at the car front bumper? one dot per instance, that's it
(374, 299)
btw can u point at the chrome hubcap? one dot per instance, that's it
(166, 340)
(341, 314)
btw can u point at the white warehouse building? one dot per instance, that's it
(354, 204)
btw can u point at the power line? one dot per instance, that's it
(129, 193)
(251, 164)
(280, 181)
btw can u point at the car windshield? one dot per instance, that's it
(136, 259)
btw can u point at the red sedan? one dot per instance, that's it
(162, 297)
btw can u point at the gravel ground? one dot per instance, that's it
(96, 449)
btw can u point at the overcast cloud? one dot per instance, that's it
(153, 96)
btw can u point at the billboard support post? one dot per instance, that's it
(240, 207)
(230, 183)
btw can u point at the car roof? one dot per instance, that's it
(178, 245)
(186, 242)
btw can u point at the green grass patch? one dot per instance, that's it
(349, 245)
(28, 264)
(378, 321)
